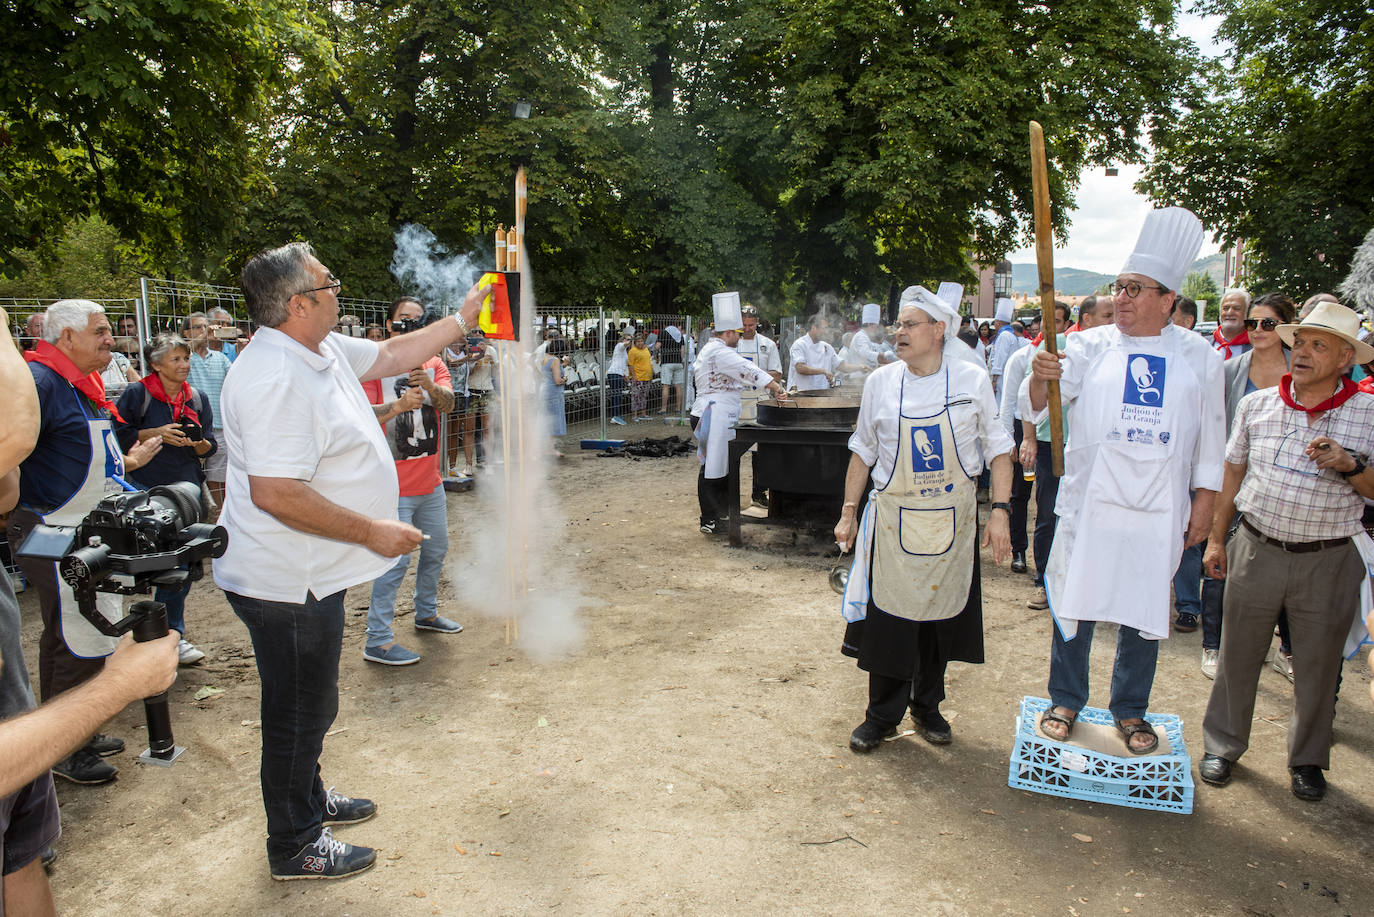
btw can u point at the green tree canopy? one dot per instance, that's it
(1276, 144)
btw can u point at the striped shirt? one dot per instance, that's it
(207, 374)
(1283, 493)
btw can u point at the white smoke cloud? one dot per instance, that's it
(425, 268)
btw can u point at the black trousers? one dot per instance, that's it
(1020, 495)
(711, 496)
(889, 698)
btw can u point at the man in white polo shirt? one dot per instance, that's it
(310, 508)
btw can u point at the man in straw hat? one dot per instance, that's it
(1295, 469)
(1148, 426)
(914, 595)
(720, 373)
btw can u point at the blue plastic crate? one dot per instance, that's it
(1038, 764)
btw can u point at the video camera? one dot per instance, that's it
(407, 325)
(131, 543)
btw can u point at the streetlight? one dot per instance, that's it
(1001, 280)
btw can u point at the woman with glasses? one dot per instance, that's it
(914, 598)
(1260, 367)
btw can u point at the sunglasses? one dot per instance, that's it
(1268, 324)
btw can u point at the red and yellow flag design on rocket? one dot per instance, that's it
(495, 319)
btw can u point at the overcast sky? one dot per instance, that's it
(1109, 212)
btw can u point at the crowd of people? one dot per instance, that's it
(321, 451)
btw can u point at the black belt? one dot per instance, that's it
(1295, 547)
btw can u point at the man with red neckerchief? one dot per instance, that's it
(1230, 337)
(1295, 468)
(76, 462)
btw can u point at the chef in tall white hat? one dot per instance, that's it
(720, 373)
(1142, 468)
(1005, 342)
(866, 347)
(914, 595)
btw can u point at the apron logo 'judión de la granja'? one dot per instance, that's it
(927, 451)
(1145, 380)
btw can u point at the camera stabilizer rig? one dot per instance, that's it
(129, 544)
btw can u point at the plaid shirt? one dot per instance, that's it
(1284, 494)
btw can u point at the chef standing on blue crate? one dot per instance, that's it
(914, 595)
(1149, 425)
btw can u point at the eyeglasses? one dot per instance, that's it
(1132, 288)
(1268, 324)
(910, 325)
(334, 284)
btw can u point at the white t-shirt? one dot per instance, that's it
(620, 363)
(815, 354)
(972, 410)
(292, 413)
(1013, 373)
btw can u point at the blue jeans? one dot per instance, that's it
(428, 513)
(615, 398)
(1188, 581)
(297, 651)
(1133, 674)
(175, 600)
(1046, 493)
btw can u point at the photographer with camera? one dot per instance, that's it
(32, 741)
(310, 509)
(75, 462)
(411, 425)
(163, 406)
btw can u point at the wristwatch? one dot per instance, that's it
(1359, 467)
(1003, 506)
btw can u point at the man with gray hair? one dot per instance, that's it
(221, 320)
(208, 369)
(74, 464)
(1230, 337)
(310, 508)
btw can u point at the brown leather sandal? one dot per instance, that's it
(1066, 721)
(1130, 730)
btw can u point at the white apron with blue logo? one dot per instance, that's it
(925, 523)
(105, 464)
(751, 395)
(1123, 502)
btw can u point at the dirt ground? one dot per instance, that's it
(692, 758)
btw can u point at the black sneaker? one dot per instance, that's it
(104, 745)
(86, 768)
(935, 729)
(710, 528)
(869, 735)
(1185, 623)
(326, 858)
(342, 810)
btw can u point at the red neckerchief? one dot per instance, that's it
(181, 404)
(1035, 341)
(1222, 344)
(91, 385)
(1347, 391)
(1367, 385)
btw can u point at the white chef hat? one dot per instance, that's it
(727, 312)
(1004, 311)
(1168, 244)
(952, 293)
(942, 311)
(873, 314)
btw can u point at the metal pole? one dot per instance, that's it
(141, 321)
(601, 358)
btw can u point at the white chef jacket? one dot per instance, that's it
(815, 354)
(972, 409)
(1004, 345)
(1205, 428)
(719, 369)
(862, 350)
(1015, 369)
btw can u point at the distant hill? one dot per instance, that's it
(1074, 282)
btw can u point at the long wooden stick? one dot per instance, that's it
(1044, 259)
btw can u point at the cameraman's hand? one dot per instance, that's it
(419, 377)
(139, 670)
(391, 538)
(411, 399)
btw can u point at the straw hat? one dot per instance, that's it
(1333, 318)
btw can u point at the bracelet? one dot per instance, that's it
(1005, 507)
(462, 325)
(848, 505)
